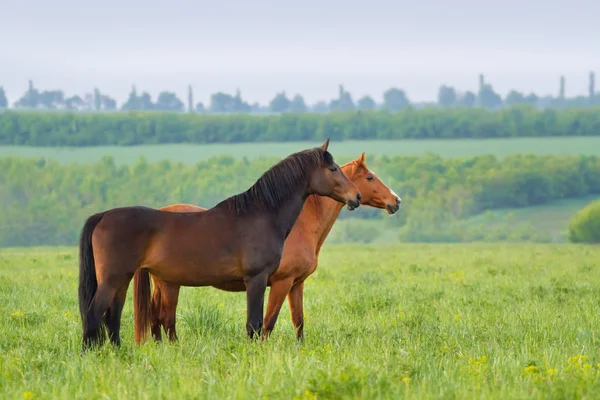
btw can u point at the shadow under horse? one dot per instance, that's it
(240, 240)
(299, 260)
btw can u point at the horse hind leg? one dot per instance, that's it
(113, 314)
(94, 334)
(170, 297)
(157, 312)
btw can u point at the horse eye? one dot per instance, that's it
(369, 178)
(333, 169)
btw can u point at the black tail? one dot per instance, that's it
(87, 269)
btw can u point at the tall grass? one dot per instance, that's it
(417, 321)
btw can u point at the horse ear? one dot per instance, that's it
(325, 145)
(361, 158)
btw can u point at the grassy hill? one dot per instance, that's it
(551, 219)
(190, 153)
(549, 222)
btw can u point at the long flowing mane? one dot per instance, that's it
(279, 181)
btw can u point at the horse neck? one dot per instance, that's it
(285, 216)
(322, 212)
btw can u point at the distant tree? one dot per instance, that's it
(199, 108)
(88, 100)
(221, 102)
(107, 103)
(132, 102)
(592, 86)
(320, 107)
(514, 97)
(344, 101)
(280, 103)
(168, 101)
(190, 99)
(3, 99)
(467, 99)
(256, 107)
(240, 105)
(30, 99)
(366, 103)
(561, 93)
(97, 100)
(297, 104)
(145, 102)
(531, 98)
(395, 99)
(487, 98)
(446, 96)
(74, 103)
(51, 100)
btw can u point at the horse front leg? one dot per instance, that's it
(255, 297)
(279, 290)
(297, 309)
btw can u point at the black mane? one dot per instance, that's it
(279, 181)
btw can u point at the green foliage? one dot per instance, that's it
(139, 127)
(381, 322)
(342, 150)
(354, 231)
(585, 225)
(44, 202)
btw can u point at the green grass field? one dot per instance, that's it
(403, 321)
(190, 153)
(549, 221)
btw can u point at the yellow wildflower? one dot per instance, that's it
(532, 369)
(406, 379)
(551, 372)
(29, 395)
(578, 359)
(18, 314)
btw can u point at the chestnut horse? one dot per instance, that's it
(299, 260)
(239, 241)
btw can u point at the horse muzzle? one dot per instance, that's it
(353, 204)
(393, 208)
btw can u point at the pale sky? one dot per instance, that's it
(306, 47)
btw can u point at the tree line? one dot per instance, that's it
(46, 203)
(394, 99)
(136, 128)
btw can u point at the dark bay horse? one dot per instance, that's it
(299, 260)
(239, 241)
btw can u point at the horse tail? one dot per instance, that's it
(87, 270)
(142, 305)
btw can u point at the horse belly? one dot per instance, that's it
(197, 271)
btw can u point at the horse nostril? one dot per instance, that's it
(398, 201)
(358, 197)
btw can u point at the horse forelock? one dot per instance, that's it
(280, 181)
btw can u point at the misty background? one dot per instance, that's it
(310, 47)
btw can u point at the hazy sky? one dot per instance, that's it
(306, 47)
